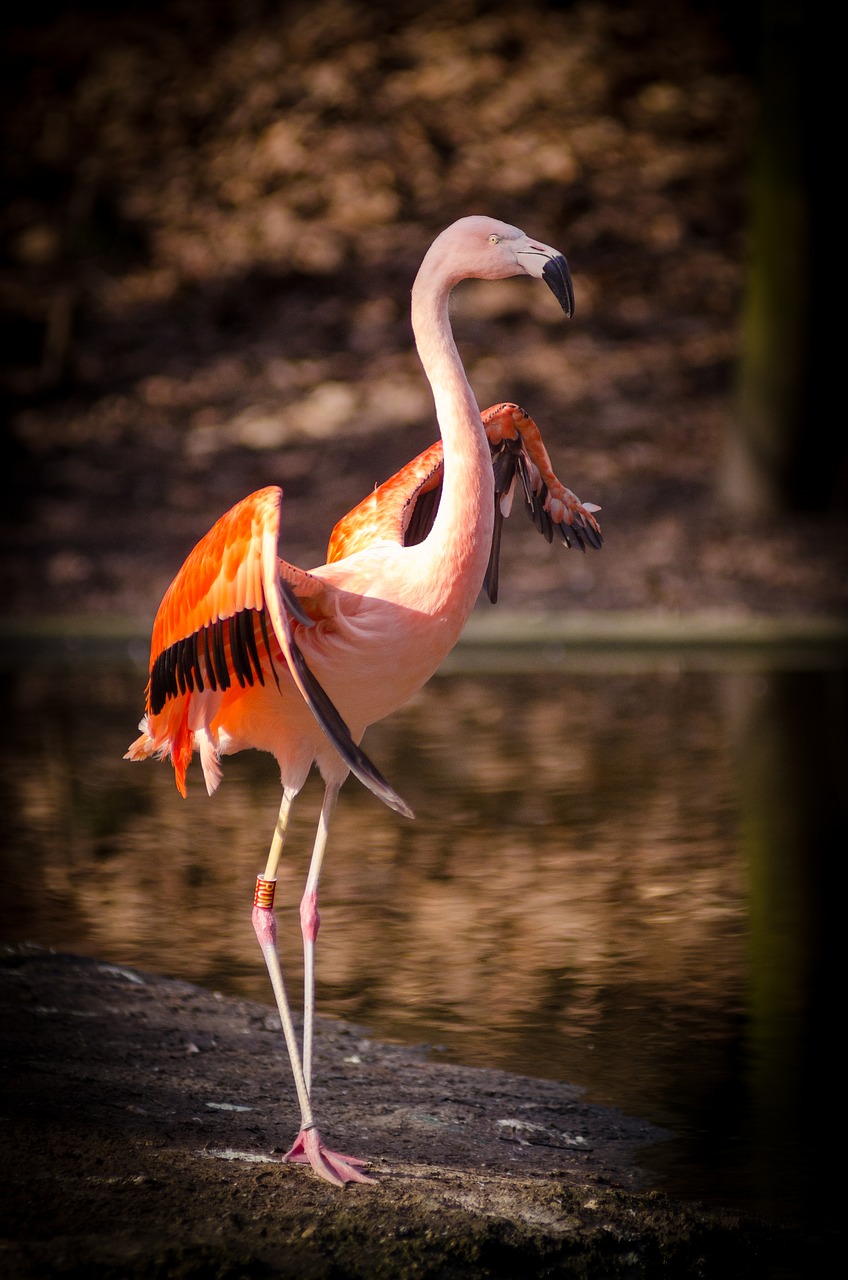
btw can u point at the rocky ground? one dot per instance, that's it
(144, 1119)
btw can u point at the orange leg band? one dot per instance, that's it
(264, 895)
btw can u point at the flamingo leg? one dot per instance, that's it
(310, 922)
(265, 927)
(309, 1147)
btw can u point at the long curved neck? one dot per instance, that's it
(462, 532)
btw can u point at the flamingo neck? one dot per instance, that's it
(460, 539)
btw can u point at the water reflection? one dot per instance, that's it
(624, 881)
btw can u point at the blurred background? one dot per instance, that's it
(212, 217)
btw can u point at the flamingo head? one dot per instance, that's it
(485, 249)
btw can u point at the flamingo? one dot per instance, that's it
(249, 651)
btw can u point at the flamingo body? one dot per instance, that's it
(251, 651)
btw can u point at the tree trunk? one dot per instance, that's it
(784, 450)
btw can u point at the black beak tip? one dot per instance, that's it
(557, 277)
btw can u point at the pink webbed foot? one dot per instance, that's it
(309, 1149)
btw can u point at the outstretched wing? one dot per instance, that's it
(404, 507)
(205, 630)
(226, 617)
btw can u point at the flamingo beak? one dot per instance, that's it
(557, 277)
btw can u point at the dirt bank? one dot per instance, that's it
(144, 1119)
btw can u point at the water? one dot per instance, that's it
(622, 878)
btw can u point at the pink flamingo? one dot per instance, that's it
(250, 651)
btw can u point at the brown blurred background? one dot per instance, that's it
(212, 218)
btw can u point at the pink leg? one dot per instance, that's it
(308, 1147)
(310, 923)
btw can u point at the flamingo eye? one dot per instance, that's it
(493, 239)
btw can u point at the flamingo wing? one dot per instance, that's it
(404, 507)
(217, 623)
(519, 453)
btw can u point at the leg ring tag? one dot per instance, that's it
(264, 896)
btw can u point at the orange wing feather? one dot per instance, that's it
(192, 650)
(222, 575)
(387, 511)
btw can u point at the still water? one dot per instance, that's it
(620, 877)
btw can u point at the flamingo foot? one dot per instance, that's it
(309, 1149)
